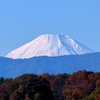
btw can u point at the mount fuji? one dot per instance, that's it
(50, 45)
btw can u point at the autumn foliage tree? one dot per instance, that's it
(78, 86)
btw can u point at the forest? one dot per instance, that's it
(81, 85)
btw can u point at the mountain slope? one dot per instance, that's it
(49, 45)
(53, 65)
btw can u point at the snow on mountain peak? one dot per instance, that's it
(50, 45)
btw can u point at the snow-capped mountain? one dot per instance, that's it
(50, 45)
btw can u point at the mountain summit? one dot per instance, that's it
(50, 45)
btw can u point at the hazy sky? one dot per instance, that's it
(23, 20)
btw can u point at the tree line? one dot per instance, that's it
(81, 85)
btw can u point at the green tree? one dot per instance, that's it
(37, 96)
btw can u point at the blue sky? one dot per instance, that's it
(23, 20)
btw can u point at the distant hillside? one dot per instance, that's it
(53, 65)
